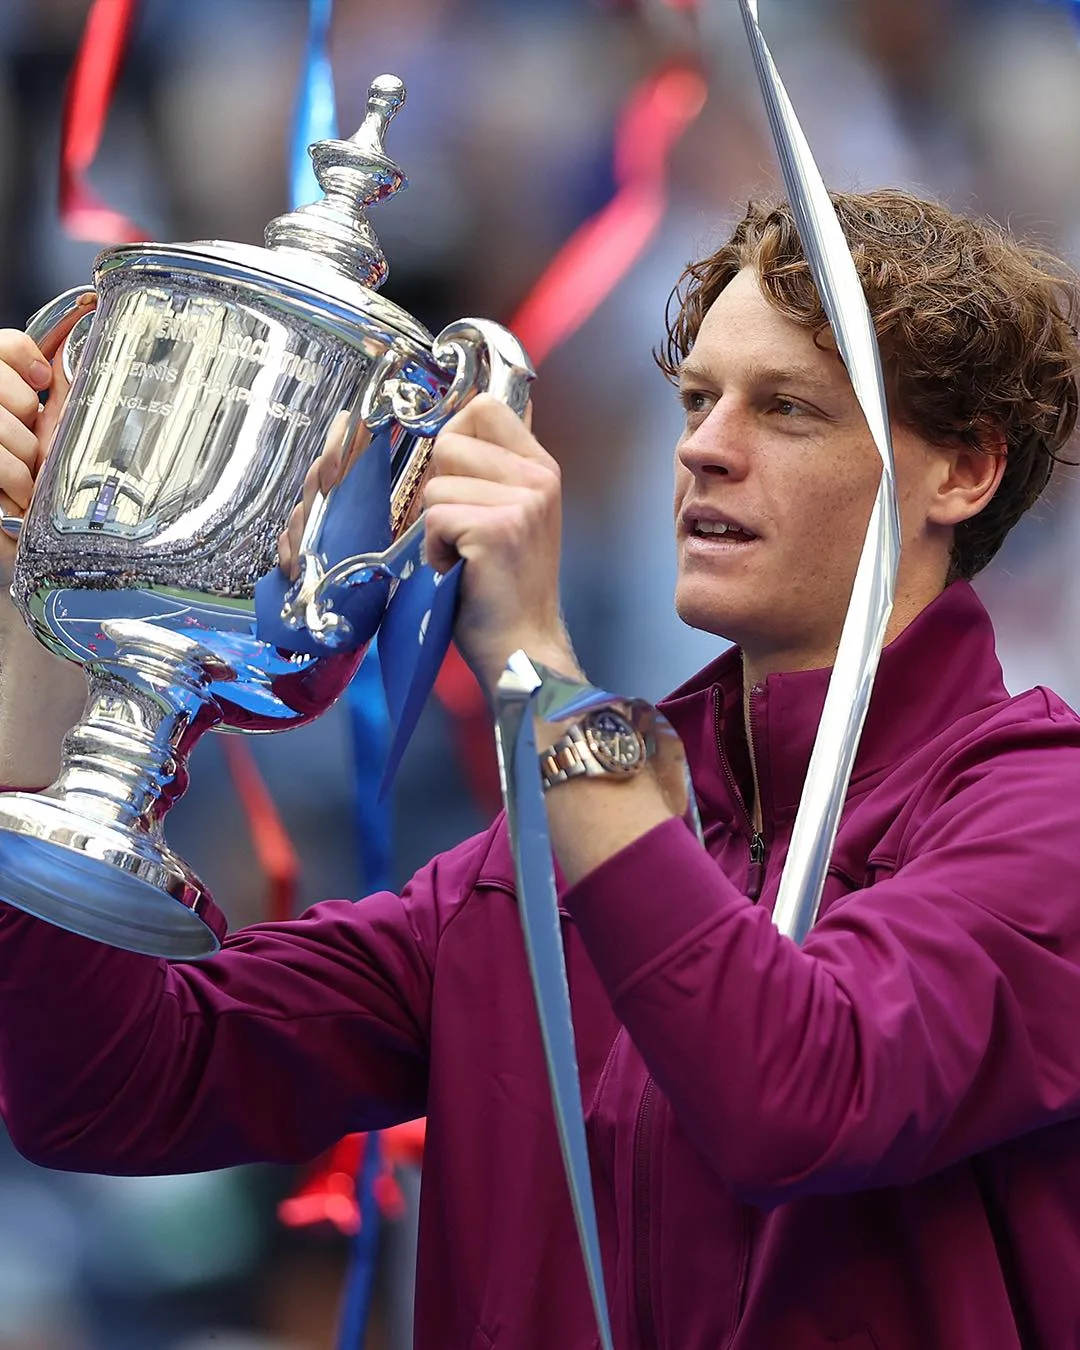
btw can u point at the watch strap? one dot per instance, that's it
(565, 758)
(585, 748)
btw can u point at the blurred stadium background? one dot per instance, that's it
(506, 139)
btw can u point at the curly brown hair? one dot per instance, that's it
(976, 329)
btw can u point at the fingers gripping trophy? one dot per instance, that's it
(206, 380)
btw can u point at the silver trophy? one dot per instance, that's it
(206, 381)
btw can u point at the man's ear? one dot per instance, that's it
(968, 477)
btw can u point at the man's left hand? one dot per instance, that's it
(494, 498)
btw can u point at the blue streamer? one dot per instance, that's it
(316, 120)
(370, 723)
(316, 108)
(361, 1283)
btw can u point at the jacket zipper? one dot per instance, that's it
(643, 1305)
(755, 876)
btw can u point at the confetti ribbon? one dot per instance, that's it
(273, 848)
(360, 1285)
(329, 1193)
(520, 690)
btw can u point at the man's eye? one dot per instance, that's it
(787, 407)
(693, 401)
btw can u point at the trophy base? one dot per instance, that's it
(103, 882)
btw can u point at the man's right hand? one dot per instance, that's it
(24, 376)
(40, 696)
(27, 424)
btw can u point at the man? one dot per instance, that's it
(870, 1141)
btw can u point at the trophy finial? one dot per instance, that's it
(386, 94)
(354, 174)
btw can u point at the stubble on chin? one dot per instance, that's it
(706, 614)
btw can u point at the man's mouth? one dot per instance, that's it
(718, 529)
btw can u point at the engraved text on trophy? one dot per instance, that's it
(174, 412)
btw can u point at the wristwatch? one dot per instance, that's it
(603, 744)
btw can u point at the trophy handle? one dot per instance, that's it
(484, 357)
(60, 326)
(58, 320)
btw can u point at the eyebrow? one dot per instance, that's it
(807, 376)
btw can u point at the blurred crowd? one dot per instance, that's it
(506, 139)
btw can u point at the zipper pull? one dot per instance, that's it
(756, 874)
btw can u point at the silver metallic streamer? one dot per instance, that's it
(863, 636)
(519, 695)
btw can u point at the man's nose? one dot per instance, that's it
(718, 444)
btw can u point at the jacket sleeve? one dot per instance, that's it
(293, 1035)
(927, 1017)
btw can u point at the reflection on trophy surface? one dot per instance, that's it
(211, 377)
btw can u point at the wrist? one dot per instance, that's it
(556, 654)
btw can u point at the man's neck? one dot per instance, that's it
(758, 665)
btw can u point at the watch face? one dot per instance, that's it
(614, 742)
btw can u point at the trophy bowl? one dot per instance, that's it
(205, 382)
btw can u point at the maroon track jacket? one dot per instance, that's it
(869, 1142)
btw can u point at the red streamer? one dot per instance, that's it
(273, 847)
(601, 252)
(588, 267)
(90, 90)
(328, 1193)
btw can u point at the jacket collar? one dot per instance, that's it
(940, 668)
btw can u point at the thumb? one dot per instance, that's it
(49, 415)
(45, 425)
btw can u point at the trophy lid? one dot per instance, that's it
(354, 175)
(325, 251)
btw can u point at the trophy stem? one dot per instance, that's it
(89, 854)
(125, 762)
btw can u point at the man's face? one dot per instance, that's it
(775, 447)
